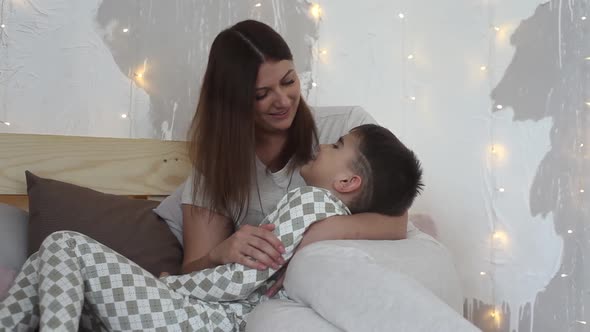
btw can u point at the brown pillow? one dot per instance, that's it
(126, 225)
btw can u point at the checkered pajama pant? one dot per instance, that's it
(73, 281)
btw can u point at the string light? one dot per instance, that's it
(324, 52)
(583, 322)
(498, 151)
(581, 145)
(124, 116)
(5, 123)
(126, 30)
(314, 84)
(499, 107)
(2, 26)
(401, 15)
(483, 68)
(412, 98)
(583, 18)
(482, 273)
(258, 5)
(588, 103)
(500, 237)
(497, 28)
(316, 11)
(581, 191)
(569, 231)
(563, 275)
(495, 314)
(501, 189)
(411, 56)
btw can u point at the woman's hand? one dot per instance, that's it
(254, 247)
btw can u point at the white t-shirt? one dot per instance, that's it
(332, 123)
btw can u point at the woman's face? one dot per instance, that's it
(278, 92)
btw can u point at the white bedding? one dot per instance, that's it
(407, 285)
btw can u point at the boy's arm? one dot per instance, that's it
(362, 226)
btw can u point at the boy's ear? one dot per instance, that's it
(348, 184)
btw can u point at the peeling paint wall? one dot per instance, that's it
(492, 95)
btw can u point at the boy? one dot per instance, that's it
(368, 170)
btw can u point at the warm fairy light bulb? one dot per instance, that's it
(258, 5)
(569, 231)
(314, 84)
(498, 151)
(563, 275)
(583, 322)
(499, 107)
(501, 189)
(401, 15)
(412, 98)
(500, 237)
(316, 11)
(497, 28)
(482, 273)
(581, 145)
(126, 30)
(483, 68)
(324, 52)
(583, 18)
(5, 123)
(124, 116)
(588, 103)
(410, 57)
(582, 191)
(2, 26)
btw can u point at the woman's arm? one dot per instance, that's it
(202, 231)
(362, 226)
(210, 240)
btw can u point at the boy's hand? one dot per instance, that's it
(276, 287)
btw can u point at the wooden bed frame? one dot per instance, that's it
(142, 168)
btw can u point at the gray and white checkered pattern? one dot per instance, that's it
(74, 281)
(296, 211)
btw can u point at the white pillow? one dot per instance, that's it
(406, 285)
(13, 236)
(13, 244)
(170, 209)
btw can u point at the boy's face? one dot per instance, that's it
(331, 163)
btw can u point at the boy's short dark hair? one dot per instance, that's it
(391, 173)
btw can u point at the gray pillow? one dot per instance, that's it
(171, 211)
(13, 236)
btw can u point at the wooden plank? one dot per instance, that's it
(111, 165)
(20, 201)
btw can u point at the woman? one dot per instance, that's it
(250, 133)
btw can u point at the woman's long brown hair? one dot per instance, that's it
(221, 136)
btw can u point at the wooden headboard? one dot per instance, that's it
(133, 167)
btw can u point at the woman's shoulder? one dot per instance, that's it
(336, 121)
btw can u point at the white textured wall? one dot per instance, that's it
(67, 67)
